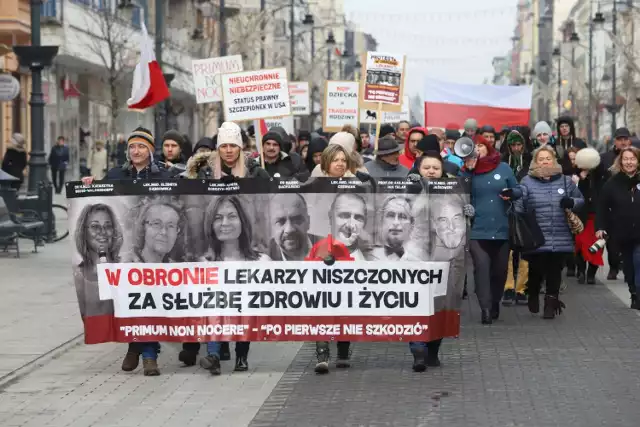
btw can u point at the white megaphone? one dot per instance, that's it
(464, 147)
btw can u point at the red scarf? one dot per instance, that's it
(490, 161)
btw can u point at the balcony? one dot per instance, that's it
(15, 20)
(51, 12)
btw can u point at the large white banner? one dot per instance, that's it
(252, 95)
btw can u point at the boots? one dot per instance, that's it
(635, 304)
(509, 297)
(188, 357)
(486, 318)
(613, 274)
(552, 306)
(242, 365)
(419, 363)
(150, 367)
(582, 278)
(211, 363)
(533, 302)
(130, 361)
(591, 274)
(495, 311)
(225, 353)
(433, 348)
(322, 352)
(344, 355)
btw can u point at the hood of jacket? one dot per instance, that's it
(408, 158)
(566, 120)
(317, 145)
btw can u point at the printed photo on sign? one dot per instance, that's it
(216, 256)
(300, 98)
(383, 80)
(206, 76)
(255, 95)
(340, 105)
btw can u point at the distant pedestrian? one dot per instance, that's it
(15, 159)
(59, 162)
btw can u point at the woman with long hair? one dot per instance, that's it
(550, 194)
(228, 230)
(98, 239)
(618, 215)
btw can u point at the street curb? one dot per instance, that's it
(15, 375)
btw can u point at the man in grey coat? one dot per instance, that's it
(387, 162)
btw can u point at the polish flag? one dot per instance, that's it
(260, 128)
(149, 86)
(338, 52)
(448, 105)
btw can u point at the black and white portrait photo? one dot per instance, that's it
(395, 224)
(348, 216)
(290, 222)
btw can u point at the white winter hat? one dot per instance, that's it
(470, 124)
(587, 158)
(229, 133)
(540, 128)
(345, 140)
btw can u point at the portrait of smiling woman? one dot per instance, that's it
(98, 238)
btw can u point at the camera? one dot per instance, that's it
(597, 246)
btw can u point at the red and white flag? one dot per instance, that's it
(448, 105)
(260, 129)
(149, 86)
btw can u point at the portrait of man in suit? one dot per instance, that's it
(348, 218)
(396, 223)
(289, 220)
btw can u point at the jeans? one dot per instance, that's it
(432, 347)
(242, 348)
(547, 267)
(149, 350)
(490, 262)
(631, 267)
(57, 176)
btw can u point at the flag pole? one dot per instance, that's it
(378, 123)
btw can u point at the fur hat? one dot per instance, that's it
(587, 158)
(344, 139)
(17, 141)
(229, 133)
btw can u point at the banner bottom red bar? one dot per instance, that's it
(101, 329)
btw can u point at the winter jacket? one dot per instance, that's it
(562, 145)
(408, 158)
(202, 166)
(288, 166)
(606, 161)
(59, 157)
(491, 221)
(544, 196)
(97, 163)
(14, 162)
(381, 169)
(317, 145)
(590, 188)
(618, 210)
(119, 155)
(128, 172)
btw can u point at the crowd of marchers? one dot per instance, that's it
(551, 173)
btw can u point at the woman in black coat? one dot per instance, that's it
(15, 159)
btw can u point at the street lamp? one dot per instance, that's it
(558, 55)
(575, 39)
(345, 55)
(308, 21)
(330, 42)
(598, 21)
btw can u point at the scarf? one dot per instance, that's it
(516, 163)
(487, 163)
(545, 172)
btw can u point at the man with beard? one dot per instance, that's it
(396, 224)
(449, 226)
(347, 218)
(290, 221)
(278, 161)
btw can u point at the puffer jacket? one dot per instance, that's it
(544, 196)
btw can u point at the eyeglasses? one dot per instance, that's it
(106, 229)
(158, 226)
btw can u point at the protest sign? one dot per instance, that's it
(285, 122)
(300, 99)
(206, 76)
(252, 95)
(151, 264)
(340, 105)
(370, 116)
(382, 85)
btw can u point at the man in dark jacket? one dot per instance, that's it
(59, 162)
(278, 162)
(119, 153)
(567, 139)
(387, 163)
(516, 155)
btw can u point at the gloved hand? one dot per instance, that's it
(469, 211)
(228, 179)
(414, 177)
(566, 203)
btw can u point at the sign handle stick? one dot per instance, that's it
(378, 123)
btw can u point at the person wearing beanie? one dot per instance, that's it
(314, 153)
(470, 128)
(204, 145)
(566, 139)
(415, 135)
(493, 185)
(429, 144)
(387, 129)
(488, 132)
(347, 141)
(387, 163)
(172, 152)
(304, 137)
(278, 163)
(516, 155)
(15, 159)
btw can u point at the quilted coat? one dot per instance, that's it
(544, 196)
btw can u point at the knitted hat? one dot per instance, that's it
(429, 143)
(345, 140)
(452, 134)
(386, 130)
(142, 136)
(229, 133)
(540, 128)
(304, 135)
(273, 136)
(470, 124)
(173, 135)
(515, 136)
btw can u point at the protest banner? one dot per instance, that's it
(285, 122)
(382, 85)
(152, 259)
(206, 76)
(300, 98)
(370, 117)
(252, 95)
(340, 105)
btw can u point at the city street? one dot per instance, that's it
(580, 369)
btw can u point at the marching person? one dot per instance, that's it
(314, 153)
(97, 162)
(59, 162)
(335, 162)
(15, 159)
(618, 215)
(387, 163)
(408, 158)
(280, 164)
(567, 139)
(546, 190)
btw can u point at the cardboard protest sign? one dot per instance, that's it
(285, 122)
(252, 95)
(382, 83)
(340, 105)
(156, 269)
(395, 117)
(206, 76)
(300, 98)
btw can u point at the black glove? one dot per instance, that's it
(228, 179)
(566, 203)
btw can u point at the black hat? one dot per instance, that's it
(304, 135)
(429, 143)
(387, 145)
(205, 142)
(173, 135)
(273, 136)
(386, 130)
(622, 133)
(452, 134)
(487, 129)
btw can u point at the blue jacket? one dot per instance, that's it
(544, 196)
(491, 221)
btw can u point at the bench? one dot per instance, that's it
(24, 223)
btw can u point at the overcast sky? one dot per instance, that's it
(445, 39)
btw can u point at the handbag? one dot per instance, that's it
(524, 231)
(575, 224)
